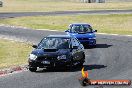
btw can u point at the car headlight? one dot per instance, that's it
(32, 57)
(61, 57)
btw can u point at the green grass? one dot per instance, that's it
(58, 5)
(13, 53)
(119, 24)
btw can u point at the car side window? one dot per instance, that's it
(74, 42)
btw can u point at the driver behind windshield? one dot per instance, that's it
(54, 43)
(81, 29)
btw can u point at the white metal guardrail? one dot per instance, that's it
(93, 1)
(103, 1)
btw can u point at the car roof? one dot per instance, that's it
(80, 24)
(60, 36)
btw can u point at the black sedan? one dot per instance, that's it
(57, 51)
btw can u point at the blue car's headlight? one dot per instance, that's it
(61, 57)
(32, 57)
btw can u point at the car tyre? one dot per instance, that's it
(81, 64)
(82, 61)
(71, 65)
(94, 46)
(32, 69)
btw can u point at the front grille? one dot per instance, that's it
(50, 50)
(42, 58)
(82, 38)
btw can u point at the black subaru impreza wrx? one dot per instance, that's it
(57, 51)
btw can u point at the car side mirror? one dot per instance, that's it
(34, 46)
(67, 30)
(75, 47)
(95, 31)
(82, 46)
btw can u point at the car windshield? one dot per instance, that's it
(81, 29)
(54, 43)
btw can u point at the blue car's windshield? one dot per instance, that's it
(80, 29)
(54, 43)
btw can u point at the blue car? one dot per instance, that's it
(83, 32)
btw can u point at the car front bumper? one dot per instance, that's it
(89, 42)
(48, 63)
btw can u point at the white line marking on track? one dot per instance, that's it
(16, 72)
(96, 33)
(60, 30)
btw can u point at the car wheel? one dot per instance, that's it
(71, 64)
(81, 64)
(82, 61)
(50, 68)
(85, 45)
(94, 46)
(32, 69)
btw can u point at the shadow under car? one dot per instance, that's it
(87, 67)
(98, 46)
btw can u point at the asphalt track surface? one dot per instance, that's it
(111, 59)
(20, 14)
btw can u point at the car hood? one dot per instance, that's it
(50, 52)
(84, 35)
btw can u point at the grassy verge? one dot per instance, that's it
(13, 53)
(119, 24)
(58, 5)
